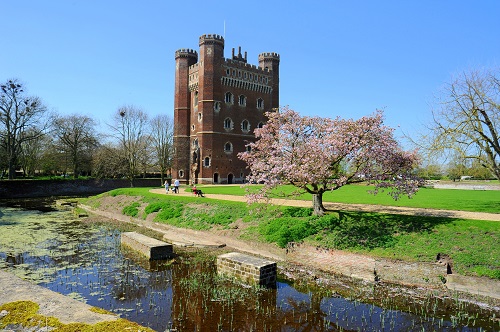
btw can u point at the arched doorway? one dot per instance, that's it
(230, 177)
(216, 177)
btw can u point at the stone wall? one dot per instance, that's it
(46, 188)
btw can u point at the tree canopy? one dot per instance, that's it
(318, 154)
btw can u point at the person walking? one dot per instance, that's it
(167, 185)
(176, 186)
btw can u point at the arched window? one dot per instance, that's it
(196, 98)
(245, 126)
(181, 173)
(228, 147)
(228, 98)
(260, 103)
(217, 106)
(200, 116)
(206, 162)
(260, 125)
(228, 123)
(242, 100)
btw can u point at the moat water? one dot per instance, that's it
(53, 248)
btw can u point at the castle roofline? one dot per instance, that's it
(269, 55)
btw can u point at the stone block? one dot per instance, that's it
(151, 248)
(249, 269)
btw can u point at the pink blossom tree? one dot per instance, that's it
(317, 154)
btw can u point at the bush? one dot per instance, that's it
(154, 207)
(131, 210)
(286, 229)
(169, 211)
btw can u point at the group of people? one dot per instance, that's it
(175, 186)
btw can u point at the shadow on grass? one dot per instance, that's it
(373, 230)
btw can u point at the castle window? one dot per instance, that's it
(267, 80)
(228, 72)
(192, 127)
(245, 126)
(239, 74)
(217, 106)
(260, 125)
(250, 77)
(200, 116)
(242, 100)
(234, 72)
(245, 75)
(181, 173)
(196, 98)
(228, 123)
(229, 98)
(248, 148)
(228, 147)
(195, 143)
(260, 103)
(206, 162)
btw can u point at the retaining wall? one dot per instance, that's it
(46, 188)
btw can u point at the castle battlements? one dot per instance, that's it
(211, 39)
(186, 53)
(269, 55)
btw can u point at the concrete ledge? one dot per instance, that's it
(474, 285)
(249, 269)
(66, 309)
(151, 248)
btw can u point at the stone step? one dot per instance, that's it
(249, 269)
(151, 248)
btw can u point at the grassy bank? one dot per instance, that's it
(471, 244)
(443, 199)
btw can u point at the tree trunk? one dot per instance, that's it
(318, 207)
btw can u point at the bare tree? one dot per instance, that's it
(22, 119)
(130, 128)
(76, 138)
(109, 162)
(162, 138)
(468, 119)
(31, 153)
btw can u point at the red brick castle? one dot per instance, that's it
(218, 103)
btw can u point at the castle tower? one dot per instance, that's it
(218, 103)
(184, 58)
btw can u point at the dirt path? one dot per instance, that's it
(358, 207)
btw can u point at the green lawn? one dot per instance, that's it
(446, 199)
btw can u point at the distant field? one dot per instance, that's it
(446, 199)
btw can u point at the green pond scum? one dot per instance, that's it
(24, 313)
(84, 260)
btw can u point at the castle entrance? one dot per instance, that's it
(216, 177)
(230, 177)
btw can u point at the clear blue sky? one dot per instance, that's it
(344, 58)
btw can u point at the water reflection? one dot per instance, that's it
(86, 262)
